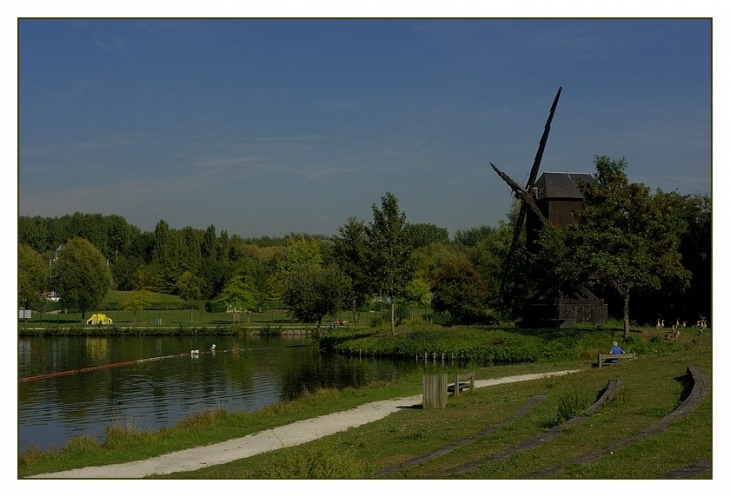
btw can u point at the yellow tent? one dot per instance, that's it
(99, 319)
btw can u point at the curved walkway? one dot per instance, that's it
(268, 440)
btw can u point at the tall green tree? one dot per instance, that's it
(624, 235)
(389, 251)
(695, 245)
(119, 235)
(169, 256)
(32, 277)
(349, 248)
(189, 287)
(80, 275)
(33, 232)
(125, 272)
(312, 292)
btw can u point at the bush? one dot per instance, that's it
(570, 406)
(376, 321)
(215, 306)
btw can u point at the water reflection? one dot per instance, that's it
(243, 373)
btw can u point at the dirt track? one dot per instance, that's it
(265, 441)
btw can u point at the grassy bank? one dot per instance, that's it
(652, 386)
(488, 346)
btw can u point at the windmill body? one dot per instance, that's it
(553, 199)
(558, 197)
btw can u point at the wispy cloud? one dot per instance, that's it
(115, 46)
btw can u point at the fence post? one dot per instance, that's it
(434, 391)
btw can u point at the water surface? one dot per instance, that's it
(151, 382)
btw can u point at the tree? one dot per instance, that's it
(624, 235)
(507, 283)
(417, 293)
(300, 250)
(32, 277)
(423, 234)
(189, 287)
(80, 275)
(238, 295)
(125, 272)
(312, 291)
(389, 250)
(695, 245)
(460, 291)
(33, 232)
(119, 235)
(472, 236)
(139, 300)
(349, 249)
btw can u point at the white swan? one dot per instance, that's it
(212, 348)
(194, 352)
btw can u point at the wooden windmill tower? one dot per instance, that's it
(551, 199)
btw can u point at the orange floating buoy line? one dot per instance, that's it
(192, 353)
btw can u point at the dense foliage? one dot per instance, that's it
(32, 277)
(388, 260)
(80, 275)
(625, 236)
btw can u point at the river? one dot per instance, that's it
(72, 386)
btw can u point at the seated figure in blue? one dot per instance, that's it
(615, 350)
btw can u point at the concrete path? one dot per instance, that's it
(268, 440)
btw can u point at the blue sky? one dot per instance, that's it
(266, 127)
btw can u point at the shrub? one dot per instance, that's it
(571, 405)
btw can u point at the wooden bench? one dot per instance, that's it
(462, 382)
(602, 358)
(341, 322)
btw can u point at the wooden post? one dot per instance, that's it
(434, 391)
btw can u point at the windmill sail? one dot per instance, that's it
(531, 181)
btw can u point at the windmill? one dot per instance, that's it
(523, 194)
(558, 197)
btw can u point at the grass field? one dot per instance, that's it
(170, 311)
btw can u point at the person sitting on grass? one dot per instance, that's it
(615, 350)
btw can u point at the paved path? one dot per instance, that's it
(268, 440)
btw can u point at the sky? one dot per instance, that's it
(265, 127)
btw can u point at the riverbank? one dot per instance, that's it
(268, 440)
(651, 388)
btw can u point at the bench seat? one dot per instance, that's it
(602, 358)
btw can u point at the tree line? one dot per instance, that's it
(652, 249)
